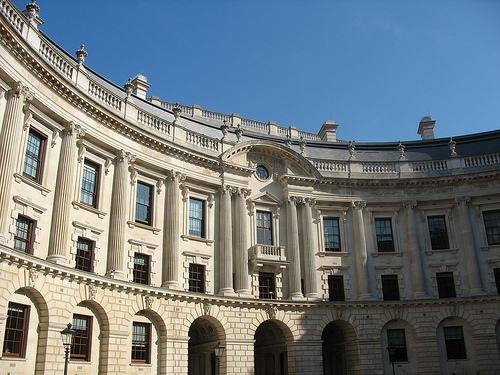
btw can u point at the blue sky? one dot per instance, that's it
(374, 66)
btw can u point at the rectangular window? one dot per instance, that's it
(84, 254)
(144, 203)
(82, 340)
(141, 268)
(90, 183)
(264, 228)
(267, 285)
(16, 330)
(454, 341)
(141, 342)
(196, 217)
(383, 230)
(496, 272)
(196, 278)
(445, 284)
(331, 233)
(438, 232)
(390, 287)
(336, 288)
(25, 234)
(33, 160)
(492, 226)
(396, 344)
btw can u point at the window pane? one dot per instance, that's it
(141, 340)
(264, 228)
(90, 179)
(383, 231)
(34, 153)
(81, 343)
(331, 234)
(196, 218)
(141, 268)
(496, 273)
(196, 278)
(84, 254)
(267, 286)
(492, 226)
(396, 343)
(336, 287)
(143, 203)
(16, 330)
(454, 341)
(438, 232)
(23, 239)
(390, 287)
(445, 284)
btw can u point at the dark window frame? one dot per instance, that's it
(82, 339)
(82, 262)
(93, 192)
(29, 230)
(438, 232)
(445, 282)
(397, 344)
(264, 232)
(16, 330)
(141, 272)
(332, 240)
(336, 290)
(267, 285)
(384, 235)
(455, 344)
(390, 287)
(197, 278)
(141, 349)
(491, 221)
(496, 275)
(197, 217)
(148, 206)
(35, 158)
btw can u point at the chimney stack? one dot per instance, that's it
(426, 128)
(328, 131)
(140, 86)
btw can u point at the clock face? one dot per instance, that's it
(262, 172)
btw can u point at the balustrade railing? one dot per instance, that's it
(12, 15)
(202, 141)
(381, 167)
(60, 62)
(268, 252)
(255, 125)
(153, 122)
(428, 166)
(217, 116)
(331, 165)
(481, 160)
(104, 96)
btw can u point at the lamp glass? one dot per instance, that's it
(67, 335)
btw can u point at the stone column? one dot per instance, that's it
(171, 232)
(468, 248)
(117, 218)
(295, 290)
(241, 243)
(9, 139)
(63, 193)
(225, 243)
(414, 252)
(309, 251)
(360, 253)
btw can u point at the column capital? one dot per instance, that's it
(122, 155)
(72, 128)
(462, 201)
(175, 176)
(18, 89)
(293, 200)
(242, 192)
(226, 189)
(409, 204)
(359, 205)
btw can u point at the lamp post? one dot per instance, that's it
(67, 336)
(392, 352)
(218, 351)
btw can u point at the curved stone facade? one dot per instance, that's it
(163, 232)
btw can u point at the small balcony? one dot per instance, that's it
(261, 255)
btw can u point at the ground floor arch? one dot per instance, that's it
(205, 336)
(271, 348)
(340, 348)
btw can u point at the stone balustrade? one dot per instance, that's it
(268, 253)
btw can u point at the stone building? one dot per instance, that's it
(167, 233)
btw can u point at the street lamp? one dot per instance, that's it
(218, 351)
(392, 352)
(67, 336)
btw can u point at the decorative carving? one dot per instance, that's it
(55, 137)
(359, 205)
(28, 116)
(32, 10)
(133, 175)
(18, 90)
(210, 200)
(107, 164)
(81, 151)
(177, 112)
(352, 149)
(184, 192)
(223, 129)
(302, 145)
(452, 145)
(33, 276)
(159, 185)
(92, 292)
(129, 87)
(410, 204)
(272, 311)
(462, 201)
(401, 149)
(73, 128)
(239, 133)
(148, 302)
(81, 54)
(207, 307)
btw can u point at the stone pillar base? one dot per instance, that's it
(296, 296)
(365, 297)
(117, 275)
(173, 285)
(313, 297)
(58, 259)
(244, 293)
(227, 292)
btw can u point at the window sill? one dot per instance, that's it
(441, 251)
(78, 205)
(332, 253)
(186, 237)
(15, 359)
(133, 224)
(140, 364)
(19, 177)
(387, 253)
(490, 247)
(195, 254)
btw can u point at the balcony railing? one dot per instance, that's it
(269, 253)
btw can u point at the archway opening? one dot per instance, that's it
(270, 350)
(340, 348)
(204, 337)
